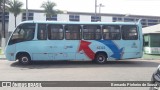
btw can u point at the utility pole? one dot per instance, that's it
(100, 5)
(26, 10)
(3, 19)
(95, 8)
(3, 41)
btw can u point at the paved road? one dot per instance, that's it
(133, 70)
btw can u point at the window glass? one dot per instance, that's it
(154, 40)
(73, 32)
(55, 32)
(146, 40)
(129, 32)
(111, 32)
(52, 18)
(91, 32)
(95, 18)
(73, 17)
(23, 32)
(30, 16)
(42, 32)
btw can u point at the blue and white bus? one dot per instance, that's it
(77, 41)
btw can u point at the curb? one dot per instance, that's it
(2, 57)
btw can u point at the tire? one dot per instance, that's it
(101, 58)
(24, 59)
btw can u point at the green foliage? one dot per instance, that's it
(1, 4)
(49, 8)
(15, 7)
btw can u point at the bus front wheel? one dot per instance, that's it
(24, 59)
(101, 58)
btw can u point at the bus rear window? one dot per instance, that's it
(129, 32)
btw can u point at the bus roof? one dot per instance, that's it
(93, 23)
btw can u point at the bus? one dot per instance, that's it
(152, 43)
(75, 41)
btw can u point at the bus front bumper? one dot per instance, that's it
(10, 56)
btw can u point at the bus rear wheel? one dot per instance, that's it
(101, 58)
(24, 59)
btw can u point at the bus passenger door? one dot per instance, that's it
(62, 50)
(56, 42)
(42, 48)
(42, 52)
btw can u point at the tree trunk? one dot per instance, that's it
(15, 21)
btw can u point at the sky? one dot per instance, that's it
(128, 7)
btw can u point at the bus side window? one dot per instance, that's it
(42, 32)
(55, 32)
(111, 32)
(91, 32)
(129, 32)
(73, 32)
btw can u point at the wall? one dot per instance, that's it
(85, 18)
(39, 17)
(11, 25)
(62, 17)
(106, 19)
(151, 29)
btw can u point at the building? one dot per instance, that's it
(151, 29)
(151, 40)
(76, 17)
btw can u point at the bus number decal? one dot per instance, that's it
(100, 47)
(117, 52)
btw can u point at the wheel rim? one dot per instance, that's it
(101, 59)
(25, 60)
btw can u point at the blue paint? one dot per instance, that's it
(114, 48)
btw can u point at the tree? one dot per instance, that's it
(49, 9)
(1, 4)
(1, 1)
(14, 6)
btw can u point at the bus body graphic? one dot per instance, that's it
(76, 41)
(117, 52)
(84, 46)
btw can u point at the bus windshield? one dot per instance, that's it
(23, 32)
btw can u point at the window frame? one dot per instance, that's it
(95, 18)
(49, 32)
(46, 31)
(137, 32)
(52, 18)
(80, 31)
(110, 33)
(18, 30)
(30, 16)
(94, 32)
(73, 17)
